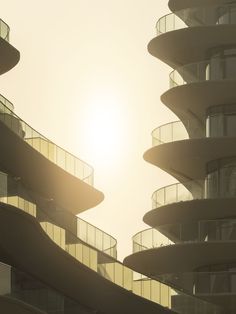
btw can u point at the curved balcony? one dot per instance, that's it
(192, 190)
(209, 70)
(44, 146)
(149, 239)
(201, 16)
(169, 132)
(4, 30)
(9, 55)
(221, 230)
(178, 192)
(186, 160)
(104, 265)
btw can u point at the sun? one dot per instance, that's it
(105, 128)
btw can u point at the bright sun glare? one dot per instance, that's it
(104, 128)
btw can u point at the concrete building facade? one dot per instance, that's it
(191, 243)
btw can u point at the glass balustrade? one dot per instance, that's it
(215, 69)
(48, 149)
(200, 231)
(169, 132)
(107, 266)
(4, 30)
(197, 16)
(174, 193)
(169, 22)
(6, 102)
(149, 239)
(96, 237)
(189, 190)
(20, 203)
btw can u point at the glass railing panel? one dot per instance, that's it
(156, 291)
(146, 287)
(170, 132)
(61, 157)
(158, 198)
(107, 270)
(82, 230)
(179, 132)
(70, 164)
(166, 133)
(171, 193)
(119, 279)
(6, 102)
(127, 278)
(161, 26)
(182, 193)
(83, 254)
(91, 235)
(54, 232)
(4, 30)
(99, 240)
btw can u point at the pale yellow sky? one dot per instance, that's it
(84, 63)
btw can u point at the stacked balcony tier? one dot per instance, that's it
(192, 240)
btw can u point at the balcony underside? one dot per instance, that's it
(191, 101)
(189, 211)
(30, 250)
(180, 47)
(179, 258)
(44, 177)
(176, 5)
(10, 56)
(187, 159)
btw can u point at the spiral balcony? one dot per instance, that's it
(188, 201)
(9, 55)
(191, 245)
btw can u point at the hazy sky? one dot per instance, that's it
(85, 80)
